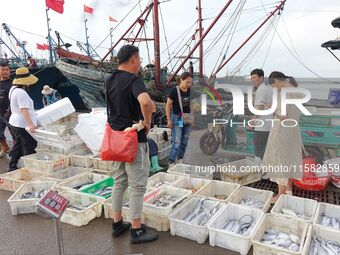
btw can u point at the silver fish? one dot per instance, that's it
(330, 221)
(202, 212)
(240, 226)
(34, 194)
(164, 200)
(252, 202)
(281, 239)
(321, 247)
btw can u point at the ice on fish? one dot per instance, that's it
(330, 221)
(288, 241)
(252, 202)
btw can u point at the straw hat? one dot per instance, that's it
(23, 77)
(47, 90)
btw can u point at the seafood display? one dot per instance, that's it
(165, 200)
(158, 183)
(241, 226)
(34, 194)
(252, 202)
(47, 158)
(103, 192)
(284, 240)
(291, 212)
(330, 222)
(85, 184)
(202, 212)
(322, 247)
(78, 207)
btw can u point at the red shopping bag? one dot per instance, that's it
(119, 145)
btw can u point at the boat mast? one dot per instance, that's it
(156, 43)
(87, 38)
(49, 36)
(200, 27)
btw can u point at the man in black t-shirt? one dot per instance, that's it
(128, 103)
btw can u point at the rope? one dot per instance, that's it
(164, 30)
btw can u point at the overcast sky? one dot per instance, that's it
(303, 26)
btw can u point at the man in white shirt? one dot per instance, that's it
(263, 100)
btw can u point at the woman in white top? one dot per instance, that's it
(23, 116)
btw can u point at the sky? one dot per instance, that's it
(291, 44)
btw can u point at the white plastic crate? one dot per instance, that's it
(162, 177)
(11, 181)
(78, 180)
(54, 112)
(100, 164)
(72, 143)
(330, 211)
(52, 163)
(243, 172)
(321, 233)
(216, 189)
(191, 183)
(162, 154)
(244, 192)
(156, 134)
(303, 206)
(81, 217)
(22, 206)
(149, 198)
(67, 173)
(193, 171)
(282, 224)
(188, 230)
(82, 158)
(228, 240)
(163, 145)
(61, 129)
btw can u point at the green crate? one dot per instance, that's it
(108, 182)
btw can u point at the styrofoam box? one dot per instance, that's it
(61, 129)
(164, 177)
(74, 143)
(82, 158)
(100, 164)
(228, 240)
(54, 112)
(22, 206)
(329, 210)
(11, 181)
(36, 162)
(321, 233)
(78, 180)
(188, 230)
(81, 217)
(246, 192)
(156, 134)
(193, 171)
(282, 224)
(191, 183)
(149, 198)
(162, 154)
(217, 188)
(68, 173)
(304, 206)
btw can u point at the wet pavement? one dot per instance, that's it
(30, 234)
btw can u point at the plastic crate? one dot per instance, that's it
(321, 233)
(156, 134)
(304, 206)
(72, 144)
(193, 171)
(163, 145)
(191, 183)
(62, 129)
(67, 173)
(100, 164)
(11, 181)
(82, 158)
(108, 182)
(283, 224)
(188, 230)
(162, 154)
(162, 177)
(218, 188)
(330, 211)
(246, 192)
(81, 217)
(23, 206)
(149, 198)
(78, 180)
(37, 162)
(228, 240)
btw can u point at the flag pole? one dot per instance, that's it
(49, 36)
(111, 39)
(87, 37)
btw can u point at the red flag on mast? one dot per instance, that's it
(41, 46)
(88, 9)
(55, 5)
(112, 19)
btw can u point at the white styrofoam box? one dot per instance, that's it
(193, 171)
(246, 192)
(61, 129)
(329, 210)
(67, 173)
(11, 181)
(81, 217)
(149, 198)
(162, 154)
(303, 206)
(54, 112)
(78, 180)
(320, 233)
(156, 134)
(191, 183)
(228, 240)
(53, 162)
(218, 188)
(282, 224)
(186, 229)
(82, 158)
(94, 125)
(162, 177)
(100, 164)
(163, 145)
(22, 206)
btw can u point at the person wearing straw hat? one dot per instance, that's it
(23, 119)
(50, 95)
